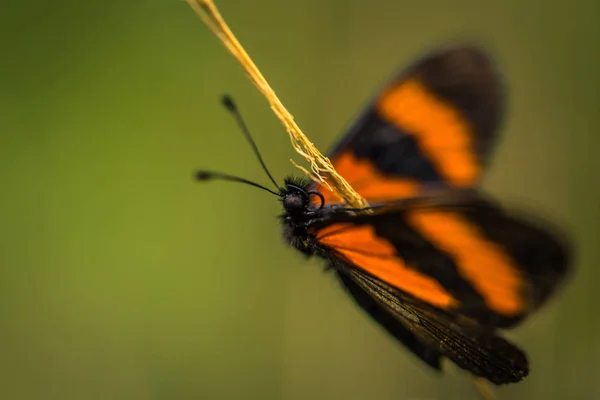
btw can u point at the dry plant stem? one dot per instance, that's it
(484, 389)
(321, 167)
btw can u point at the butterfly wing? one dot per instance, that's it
(472, 258)
(433, 124)
(442, 276)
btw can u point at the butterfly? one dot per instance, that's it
(434, 260)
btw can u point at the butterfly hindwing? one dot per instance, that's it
(380, 313)
(434, 124)
(432, 333)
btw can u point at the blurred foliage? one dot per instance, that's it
(121, 278)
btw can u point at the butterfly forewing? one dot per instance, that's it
(444, 264)
(434, 124)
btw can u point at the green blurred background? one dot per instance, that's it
(121, 278)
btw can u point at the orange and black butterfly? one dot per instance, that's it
(433, 260)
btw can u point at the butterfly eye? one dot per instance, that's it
(294, 202)
(319, 195)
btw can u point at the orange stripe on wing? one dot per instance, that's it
(360, 245)
(442, 133)
(484, 264)
(368, 181)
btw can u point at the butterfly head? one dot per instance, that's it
(297, 197)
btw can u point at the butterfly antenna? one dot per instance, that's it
(210, 175)
(231, 106)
